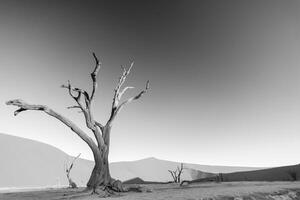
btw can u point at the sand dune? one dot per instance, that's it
(28, 163)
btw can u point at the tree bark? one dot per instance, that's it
(100, 177)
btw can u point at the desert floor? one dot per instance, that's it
(209, 191)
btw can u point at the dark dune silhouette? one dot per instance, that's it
(285, 173)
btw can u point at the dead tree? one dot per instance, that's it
(176, 175)
(100, 179)
(72, 184)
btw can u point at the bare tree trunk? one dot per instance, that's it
(100, 175)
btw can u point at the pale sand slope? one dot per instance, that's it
(24, 163)
(234, 191)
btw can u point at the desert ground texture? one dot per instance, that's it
(199, 191)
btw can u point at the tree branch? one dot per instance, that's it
(179, 172)
(133, 98)
(123, 91)
(85, 109)
(118, 94)
(99, 125)
(71, 90)
(23, 106)
(94, 76)
(71, 166)
(70, 107)
(119, 85)
(173, 175)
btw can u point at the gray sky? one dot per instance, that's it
(224, 75)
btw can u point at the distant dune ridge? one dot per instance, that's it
(286, 173)
(28, 163)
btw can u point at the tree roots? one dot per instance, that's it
(115, 188)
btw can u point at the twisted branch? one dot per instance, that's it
(94, 76)
(23, 106)
(86, 108)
